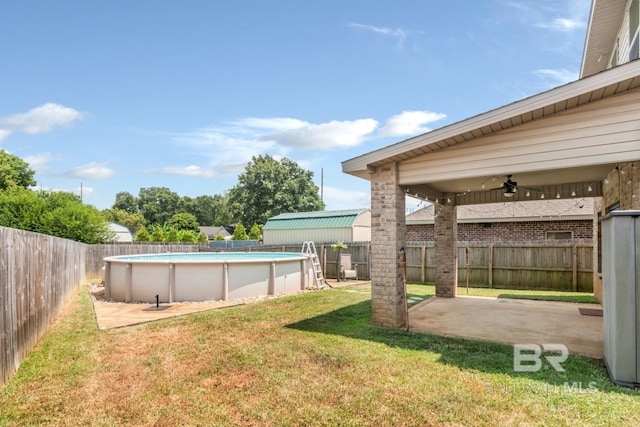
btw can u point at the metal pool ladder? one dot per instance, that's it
(309, 249)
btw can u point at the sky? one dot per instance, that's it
(117, 95)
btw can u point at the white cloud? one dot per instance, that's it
(273, 124)
(410, 123)
(556, 77)
(398, 33)
(226, 149)
(563, 24)
(564, 16)
(337, 198)
(185, 171)
(83, 191)
(325, 136)
(38, 162)
(44, 118)
(91, 170)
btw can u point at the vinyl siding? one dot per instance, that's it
(600, 132)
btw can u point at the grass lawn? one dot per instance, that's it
(311, 359)
(426, 291)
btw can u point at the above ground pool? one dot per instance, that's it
(205, 276)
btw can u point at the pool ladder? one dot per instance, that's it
(309, 249)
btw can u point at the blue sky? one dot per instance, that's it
(119, 95)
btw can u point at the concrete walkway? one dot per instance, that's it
(511, 321)
(112, 314)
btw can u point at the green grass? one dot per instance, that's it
(311, 359)
(427, 291)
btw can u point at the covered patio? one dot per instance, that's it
(513, 321)
(578, 140)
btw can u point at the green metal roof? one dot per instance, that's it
(319, 219)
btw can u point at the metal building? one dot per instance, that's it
(321, 227)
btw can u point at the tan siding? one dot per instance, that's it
(362, 234)
(623, 39)
(604, 131)
(364, 219)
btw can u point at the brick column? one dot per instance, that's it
(446, 252)
(387, 237)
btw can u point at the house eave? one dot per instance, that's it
(604, 23)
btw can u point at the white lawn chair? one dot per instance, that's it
(346, 270)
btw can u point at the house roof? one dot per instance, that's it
(589, 89)
(512, 211)
(123, 234)
(314, 220)
(213, 231)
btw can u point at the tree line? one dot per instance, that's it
(266, 188)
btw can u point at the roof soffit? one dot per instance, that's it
(604, 22)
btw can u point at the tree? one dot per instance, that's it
(188, 236)
(202, 238)
(184, 221)
(240, 233)
(14, 171)
(256, 232)
(158, 204)
(205, 208)
(54, 213)
(133, 221)
(143, 236)
(157, 234)
(172, 236)
(127, 202)
(269, 187)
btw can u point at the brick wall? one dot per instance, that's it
(388, 233)
(509, 231)
(622, 186)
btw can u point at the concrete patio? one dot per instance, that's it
(512, 321)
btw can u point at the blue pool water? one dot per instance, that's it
(208, 256)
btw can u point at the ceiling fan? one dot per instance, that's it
(510, 187)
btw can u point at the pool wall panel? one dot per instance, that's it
(248, 280)
(195, 282)
(149, 281)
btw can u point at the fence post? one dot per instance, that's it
(574, 278)
(490, 272)
(423, 265)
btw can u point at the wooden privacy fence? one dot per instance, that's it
(562, 266)
(514, 265)
(96, 253)
(38, 274)
(360, 255)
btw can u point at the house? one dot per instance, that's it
(532, 220)
(122, 233)
(212, 232)
(320, 227)
(578, 140)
